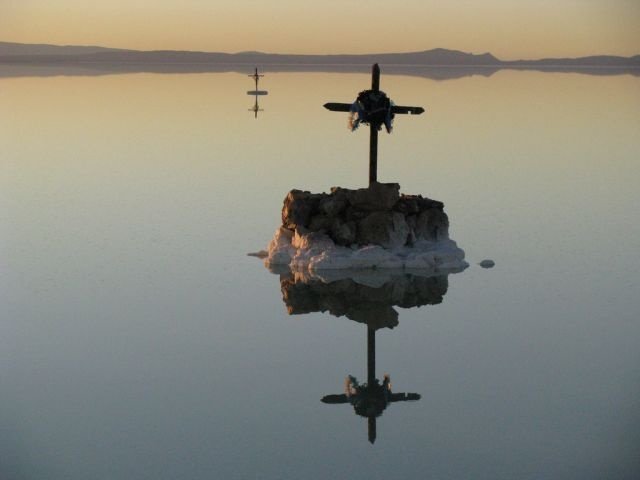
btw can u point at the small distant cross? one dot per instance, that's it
(374, 108)
(256, 76)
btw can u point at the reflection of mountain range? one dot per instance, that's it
(18, 59)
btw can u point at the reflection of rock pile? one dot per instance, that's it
(366, 296)
(364, 228)
(370, 303)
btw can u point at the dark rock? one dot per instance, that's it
(344, 233)
(374, 228)
(320, 222)
(297, 209)
(432, 224)
(387, 229)
(412, 221)
(426, 203)
(334, 204)
(376, 215)
(353, 214)
(407, 204)
(379, 196)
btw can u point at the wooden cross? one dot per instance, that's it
(376, 109)
(256, 77)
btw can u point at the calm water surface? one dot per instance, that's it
(138, 341)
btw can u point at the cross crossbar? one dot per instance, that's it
(396, 109)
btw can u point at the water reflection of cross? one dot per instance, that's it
(373, 107)
(256, 106)
(369, 301)
(370, 399)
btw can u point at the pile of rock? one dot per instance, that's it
(374, 227)
(377, 215)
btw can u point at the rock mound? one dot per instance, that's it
(377, 215)
(364, 228)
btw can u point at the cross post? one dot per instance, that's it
(373, 129)
(373, 107)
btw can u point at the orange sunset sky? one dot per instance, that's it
(510, 29)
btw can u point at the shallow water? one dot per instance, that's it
(137, 339)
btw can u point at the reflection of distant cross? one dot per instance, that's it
(256, 107)
(370, 400)
(373, 107)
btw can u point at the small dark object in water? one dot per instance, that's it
(260, 254)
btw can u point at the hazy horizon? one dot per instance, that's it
(530, 29)
(417, 50)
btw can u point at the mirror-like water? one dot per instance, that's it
(137, 339)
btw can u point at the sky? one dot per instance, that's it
(510, 29)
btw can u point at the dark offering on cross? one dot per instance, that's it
(374, 108)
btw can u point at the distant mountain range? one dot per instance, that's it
(29, 49)
(109, 60)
